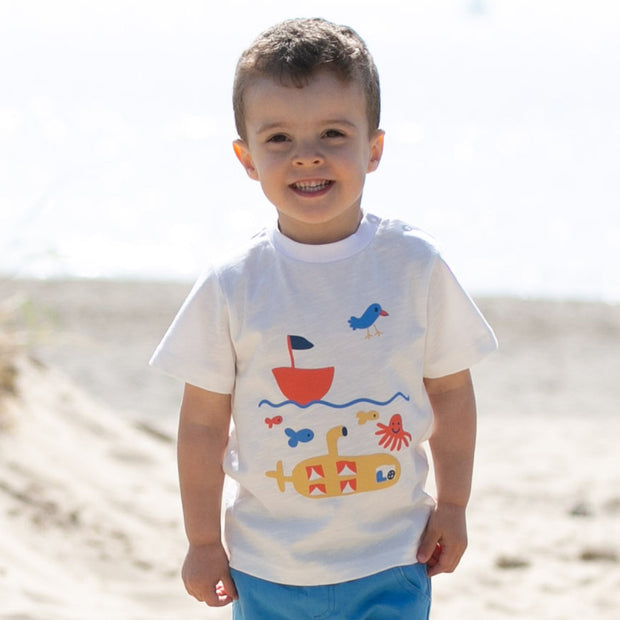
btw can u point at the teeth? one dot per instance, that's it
(311, 186)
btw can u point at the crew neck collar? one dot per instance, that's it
(328, 252)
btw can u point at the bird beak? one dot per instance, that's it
(383, 313)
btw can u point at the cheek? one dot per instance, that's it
(272, 165)
(356, 158)
(363, 162)
(352, 167)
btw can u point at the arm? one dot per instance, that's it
(452, 446)
(203, 434)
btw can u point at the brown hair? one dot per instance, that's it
(294, 50)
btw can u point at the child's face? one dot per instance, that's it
(310, 149)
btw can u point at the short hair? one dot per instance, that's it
(291, 53)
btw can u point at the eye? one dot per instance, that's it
(333, 133)
(278, 138)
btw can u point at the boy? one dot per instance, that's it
(336, 343)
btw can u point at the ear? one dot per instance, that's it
(242, 151)
(376, 150)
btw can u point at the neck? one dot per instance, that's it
(322, 233)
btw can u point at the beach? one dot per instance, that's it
(91, 518)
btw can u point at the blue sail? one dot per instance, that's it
(299, 342)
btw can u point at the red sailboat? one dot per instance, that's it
(302, 385)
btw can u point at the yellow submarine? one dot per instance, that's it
(335, 475)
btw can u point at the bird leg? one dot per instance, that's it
(369, 335)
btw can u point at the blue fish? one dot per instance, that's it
(304, 436)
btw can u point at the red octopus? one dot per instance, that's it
(393, 435)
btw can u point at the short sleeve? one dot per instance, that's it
(197, 347)
(457, 334)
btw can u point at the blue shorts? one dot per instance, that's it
(396, 593)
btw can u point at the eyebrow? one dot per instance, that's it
(270, 126)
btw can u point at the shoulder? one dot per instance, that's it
(405, 240)
(244, 254)
(241, 262)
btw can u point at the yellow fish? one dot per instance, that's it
(366, 416)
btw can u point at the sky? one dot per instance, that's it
(501, 120)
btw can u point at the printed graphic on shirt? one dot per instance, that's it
(270, 422)
(305, 387)
(368, 319)
(394, 435)
(295, 437)
(302, 385)
(335, 475)
(366, 416)
(325, 403)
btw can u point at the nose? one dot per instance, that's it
(307, 155)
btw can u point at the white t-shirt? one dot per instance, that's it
(324, 349)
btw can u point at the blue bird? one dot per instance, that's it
(304, 436)
(367, 320)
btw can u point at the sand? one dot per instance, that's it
(89, 507)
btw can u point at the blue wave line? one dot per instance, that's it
(333, 405)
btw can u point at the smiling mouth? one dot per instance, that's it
(311, 187)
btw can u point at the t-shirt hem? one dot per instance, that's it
(466, 360)
(333, 575)
(174, 367)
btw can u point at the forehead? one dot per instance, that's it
(325, 95)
